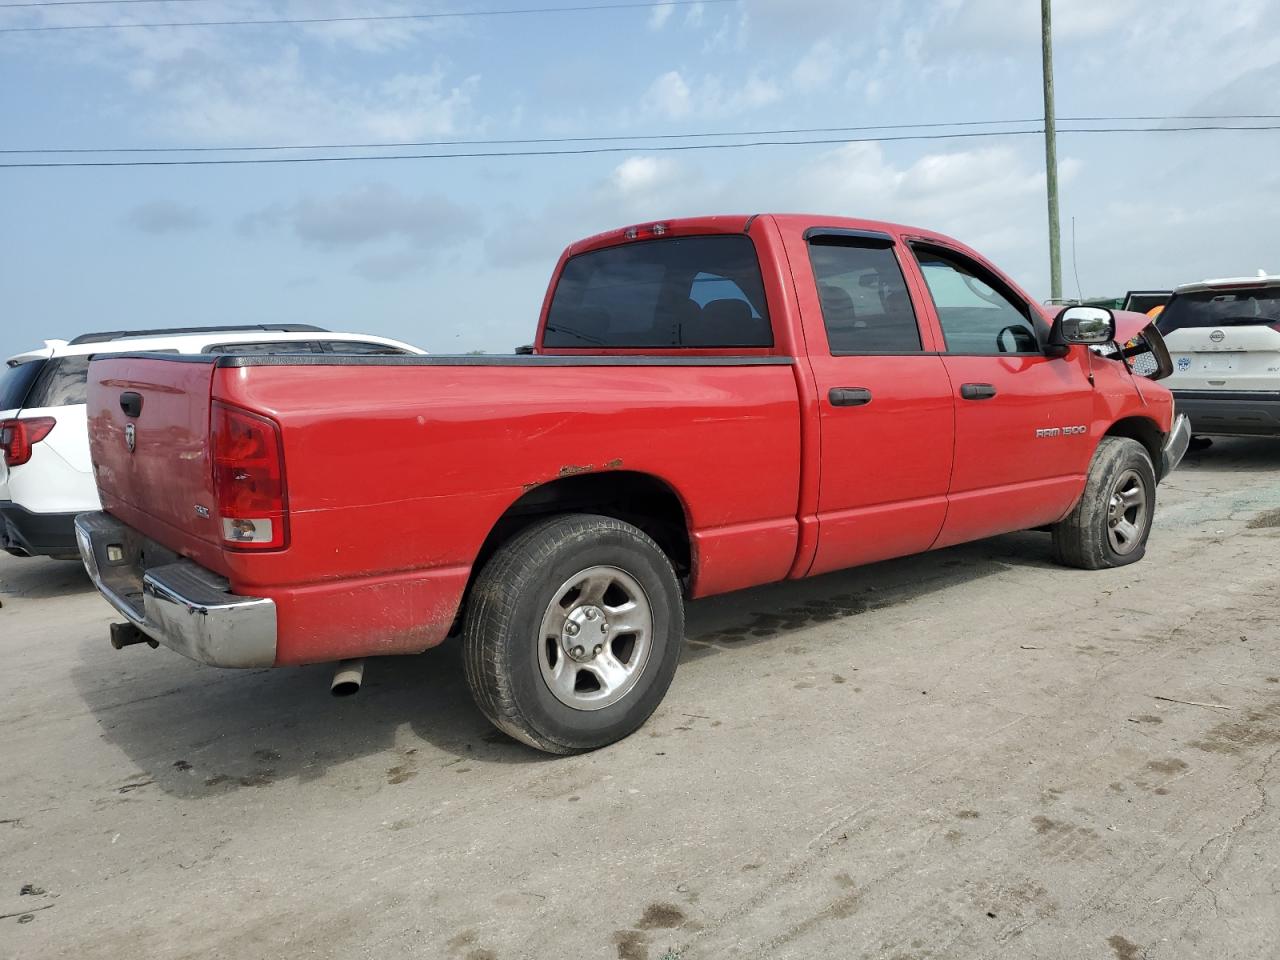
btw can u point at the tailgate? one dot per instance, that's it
(148, 436)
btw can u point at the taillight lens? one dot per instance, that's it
(17, 437)
(248, 479)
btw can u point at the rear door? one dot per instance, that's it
(1224, 338)
(884, 401)
(1022, 418)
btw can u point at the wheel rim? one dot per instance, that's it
(595, 638)
(1127, 512)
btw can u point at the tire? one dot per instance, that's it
(614, 588)
(1110, 524)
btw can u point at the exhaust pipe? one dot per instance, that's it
(347, 678)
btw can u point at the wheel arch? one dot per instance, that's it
(1142, 429)
(638, 498)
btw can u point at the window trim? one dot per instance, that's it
(870, 240)
(847, 237)
(991, 279)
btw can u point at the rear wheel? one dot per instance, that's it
(1110, 524)
(573, 633)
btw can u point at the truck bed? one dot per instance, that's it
(398, 469)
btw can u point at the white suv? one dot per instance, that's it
(1224, 340)
(46, 477)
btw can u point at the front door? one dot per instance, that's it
(884, 399)
(1022, 417)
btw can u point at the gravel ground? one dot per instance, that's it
(971, 753)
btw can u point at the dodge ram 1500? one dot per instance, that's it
(710, 404)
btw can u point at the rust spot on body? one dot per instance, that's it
(573, 469)
(614, 464)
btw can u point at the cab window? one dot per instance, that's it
(977, 316)
(865, 303)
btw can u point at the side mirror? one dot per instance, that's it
(1085, 325)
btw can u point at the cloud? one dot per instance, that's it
(991, 197)
(659, 17)
(388, 267)
(669, 95)
(644, 174)
(675, 98)
(161, 217)
(369, 214)
(817, 68)
(282, 101)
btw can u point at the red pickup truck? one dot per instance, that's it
(710, 404)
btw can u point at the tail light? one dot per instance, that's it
(248, 479)
(18, 436)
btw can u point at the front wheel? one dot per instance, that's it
(573, 633)
(1110, 524)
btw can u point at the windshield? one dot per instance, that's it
(15, 382)
(1221, 308)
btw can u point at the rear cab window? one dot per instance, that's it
(1240, 307)
(676, 292)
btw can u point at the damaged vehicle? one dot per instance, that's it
(710, 404)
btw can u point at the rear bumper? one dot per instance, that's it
(1175, 446)
(174, 601)
(37, 534)
(1231, 413)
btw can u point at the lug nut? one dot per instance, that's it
(591, 614)
(604, 628)
(571, 628)
(577, 651)
(598, 649)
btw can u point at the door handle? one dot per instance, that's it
(849, 396)
(977, 391)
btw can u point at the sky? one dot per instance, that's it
(454, 254)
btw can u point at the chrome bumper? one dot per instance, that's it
(1175, 447)
(174, 601)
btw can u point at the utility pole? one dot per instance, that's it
(1051, 151)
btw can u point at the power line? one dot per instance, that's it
(457, 14)
(580, 151)
(630, 138)
(89, 3)
(532, 141)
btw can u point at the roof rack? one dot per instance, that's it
(110, 335)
